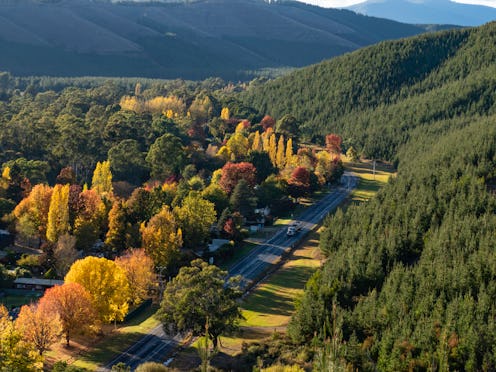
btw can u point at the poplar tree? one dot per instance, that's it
(257, 143)
(280, 158)
(289, 151)
(102, 178)
(273, 148)
(58, 213)
(115, 240)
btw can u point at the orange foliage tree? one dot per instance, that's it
(39, 326)
(73, 305)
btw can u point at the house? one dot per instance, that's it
(35, 284)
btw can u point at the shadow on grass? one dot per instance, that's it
(276, 297)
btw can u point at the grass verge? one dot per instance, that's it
(94, 353)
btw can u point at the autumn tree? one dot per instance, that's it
(267, 122)
(32, 212)
(74, 306)
(102, 178)
(106, 283)
(58, 213)
(299, 183)
(162, 238)
(351, 154)
(65, 254)
(39, 326)
(16, 353)
(333, 144)
(233, 172)
(66, 176)
(195, 217)
(90, 219)
(273, 149)
(238, 146)
(257, 142)
(289, 152)
(329, 168)
(225, 114)
(200, 299)
(280, 154)
(115, 239)
(138, 267)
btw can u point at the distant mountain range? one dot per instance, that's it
(191, 40)
(427, 11)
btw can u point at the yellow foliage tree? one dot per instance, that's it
(289, 152)
(225, 114)
(162, 238)
(102, 178)
(257, 143)
(224, 153)
(280, 155)
(16, 353)
(58, 213)
(164, 104)
(32, 211)
(238, 145)
(138, 267)
(273, 149)
(129, 103)
(106, 283)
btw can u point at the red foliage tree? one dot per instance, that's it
(268, 122)
(232, 173)
(333, 143)
(299, 183)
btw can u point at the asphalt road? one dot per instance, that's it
(156, 346)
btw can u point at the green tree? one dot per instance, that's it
(195, 217)
(200, 299)
(243, 199)
(166, 156)
(127, 162)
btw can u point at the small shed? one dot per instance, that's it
(36, 284)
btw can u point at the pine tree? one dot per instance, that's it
(280, 158)
(58, 213)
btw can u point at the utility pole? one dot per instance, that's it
(373, 170)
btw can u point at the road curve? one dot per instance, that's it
(157, 346)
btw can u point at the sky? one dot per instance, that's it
(343, 3)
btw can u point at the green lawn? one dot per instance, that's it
(369, 184)
(271, 304)
(11, 301)
(120, 339)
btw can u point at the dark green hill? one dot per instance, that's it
(408, 283)
(226, 38)
(376, 95)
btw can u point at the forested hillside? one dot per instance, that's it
(375, 96)
(409, 277)
(194, 40)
